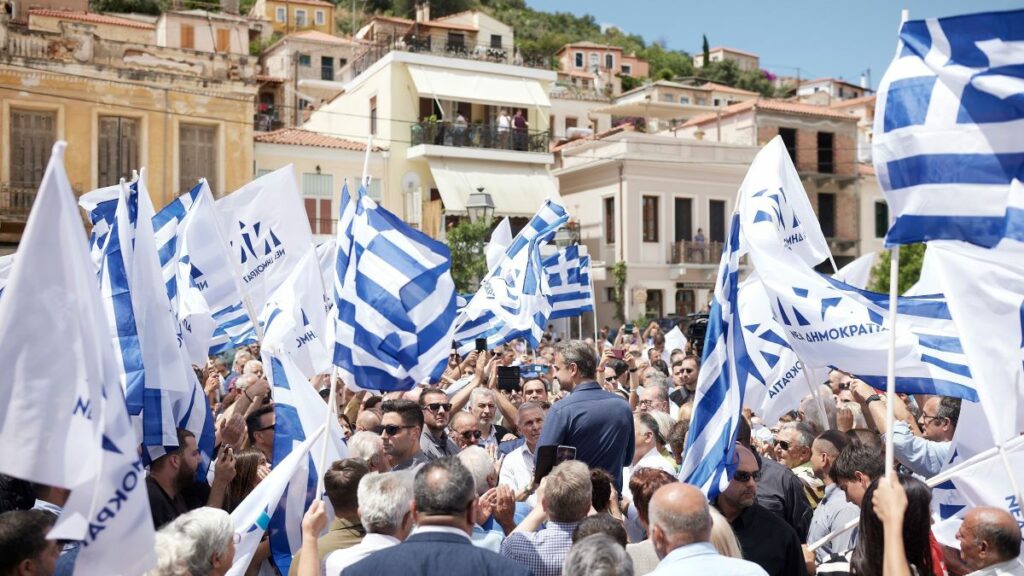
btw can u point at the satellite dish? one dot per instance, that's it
(410, 181)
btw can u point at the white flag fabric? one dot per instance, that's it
(6, 264)
(51, 404)
(252, 516)
(100, 205)
(858, 272)
(675, 340)
(501, 239)
(295, 319)
(327, 254)
(268, 232)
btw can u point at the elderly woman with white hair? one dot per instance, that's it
(199, 543)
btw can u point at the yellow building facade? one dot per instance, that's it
(287, 16)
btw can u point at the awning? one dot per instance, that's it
(516, 190)
(465, 86)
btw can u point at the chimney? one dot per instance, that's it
(229, 6)
(423, 12)
(863, 80)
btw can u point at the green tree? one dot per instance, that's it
(729, 73)
(911, 259)
(153, 7)
(619, 277)
(707, 50)
(467, 240)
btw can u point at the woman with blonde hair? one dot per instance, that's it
(722, 536)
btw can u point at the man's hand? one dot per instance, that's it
(504, 508)
(890, 502)
(212, 383)
(224, 468)
(315, 520)
(861, 391)
(844, 419)
(231, 430)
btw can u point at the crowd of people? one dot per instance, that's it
(453, 478)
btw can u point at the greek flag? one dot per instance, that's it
(394, 296)
(252, 517)
(948, 118)
(299, 412)
(100, 205)
(726, 370)
(513, 299)
(830, 323)
(197, 268)
(568, 276)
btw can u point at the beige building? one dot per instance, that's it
(663, 104)
(745, 60)
(136, 29)
(863, 109)
(642, 199)
(120, 105)
(203, 31)
(322, 165)
(598, 67)
(827, 91)
(287, 16)
(438, 113)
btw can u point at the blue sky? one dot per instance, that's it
(821, 37)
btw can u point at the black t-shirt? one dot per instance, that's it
(770, 542)
(163, 507)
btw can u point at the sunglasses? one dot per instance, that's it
(782, 444)
(741, 476)
(270, 427)
(392, 429)
(435, 406)
(470, 434)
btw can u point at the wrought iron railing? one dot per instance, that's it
(488, 136)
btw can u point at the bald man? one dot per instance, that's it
(990, 542)
(680, 524)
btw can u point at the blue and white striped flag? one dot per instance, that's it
(948, 118)
(394, 297)
(513, 299)
(568, 276)
(299, 412)
(195, 261)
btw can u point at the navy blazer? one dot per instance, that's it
(436, 553)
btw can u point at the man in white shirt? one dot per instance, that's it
(385, 510)
(990, 542)
(517, 468)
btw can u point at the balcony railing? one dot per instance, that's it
(16, 200)
(689, 252)
(267, 120)
(442, 47)
(479, 136)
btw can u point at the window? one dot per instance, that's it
(667, 98)
(684, 99)
(594, 59)
(827, 214)
(716, 102)
(32, 136)
(685, 302)
(318, 192)
(570, 122)
(627, 69)
(655, 306)
(702, 101)
(881, 219)
(609, 294)
(609, 220)
(342, 62)
(495, 40)
(300, 18)
(609, 61)
(789, 139)
(684, 219)
(223, 40)
(326, 68)
(197, 155)
(305, 60)
(716, 221)
(826, 153)
(373, 115)
(187, 36)
(118, 153)
(650, 216)
(281, 14)
(578, 59)
(456, 42)
(319, 18)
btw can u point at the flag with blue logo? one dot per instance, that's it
(200, 276)
(252, 517)
(513, 299)
(568, 276)
(267, 232)
(948, 118)
(100, 206)
(295, 320)
(298, 411)
(830, 323)
(394, 299)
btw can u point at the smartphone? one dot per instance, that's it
(550, 456)
(618, 353)
(481, 344)
(629, 328)
(509, 378)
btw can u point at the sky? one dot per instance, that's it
(823, 38)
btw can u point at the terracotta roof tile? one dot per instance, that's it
(626, 127)
(727, 89)
(300, 137)
(428, 24)
(320, 3)
(866, 169)
(91, 18)
(869, 99)
(318, 36)
(770, 106)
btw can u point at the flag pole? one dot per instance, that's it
(593, 310)
(890, 381)
(816, 393)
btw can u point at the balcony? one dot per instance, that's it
(447, 48)
(689, 252)
(480, 136)
(267, 119)
(16, 201)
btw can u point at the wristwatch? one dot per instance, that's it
(872, 398)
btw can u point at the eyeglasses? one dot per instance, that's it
(741, 476)
(435, 406)
(782, 444)
(925, 419)
(470, 434)
(270, 427)
(392, 429)
(645, 403)
(688, 370)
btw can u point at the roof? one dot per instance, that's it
(428, 24)
(587, 44)
(300, 137)
(204, 14)
(869, 99)
(320, 3)
(769, 106)
(865, 169)
(579, 73)
(318, 36)
(266, 78)
(624, 127)
(834, 81)
(733, 50)
(91, 18)
(727, 89)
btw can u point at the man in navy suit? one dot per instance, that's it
(444, 509)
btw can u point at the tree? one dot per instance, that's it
(153, 7)
(911, 259)
(467, 240)
(619, 277)
(707, 51)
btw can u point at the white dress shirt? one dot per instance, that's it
(340, 559)
(517, 469)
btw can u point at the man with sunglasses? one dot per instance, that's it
(766, 539)
(465, 430)
(437, 410)
(402, 425)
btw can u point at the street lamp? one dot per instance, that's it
(480, 206)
